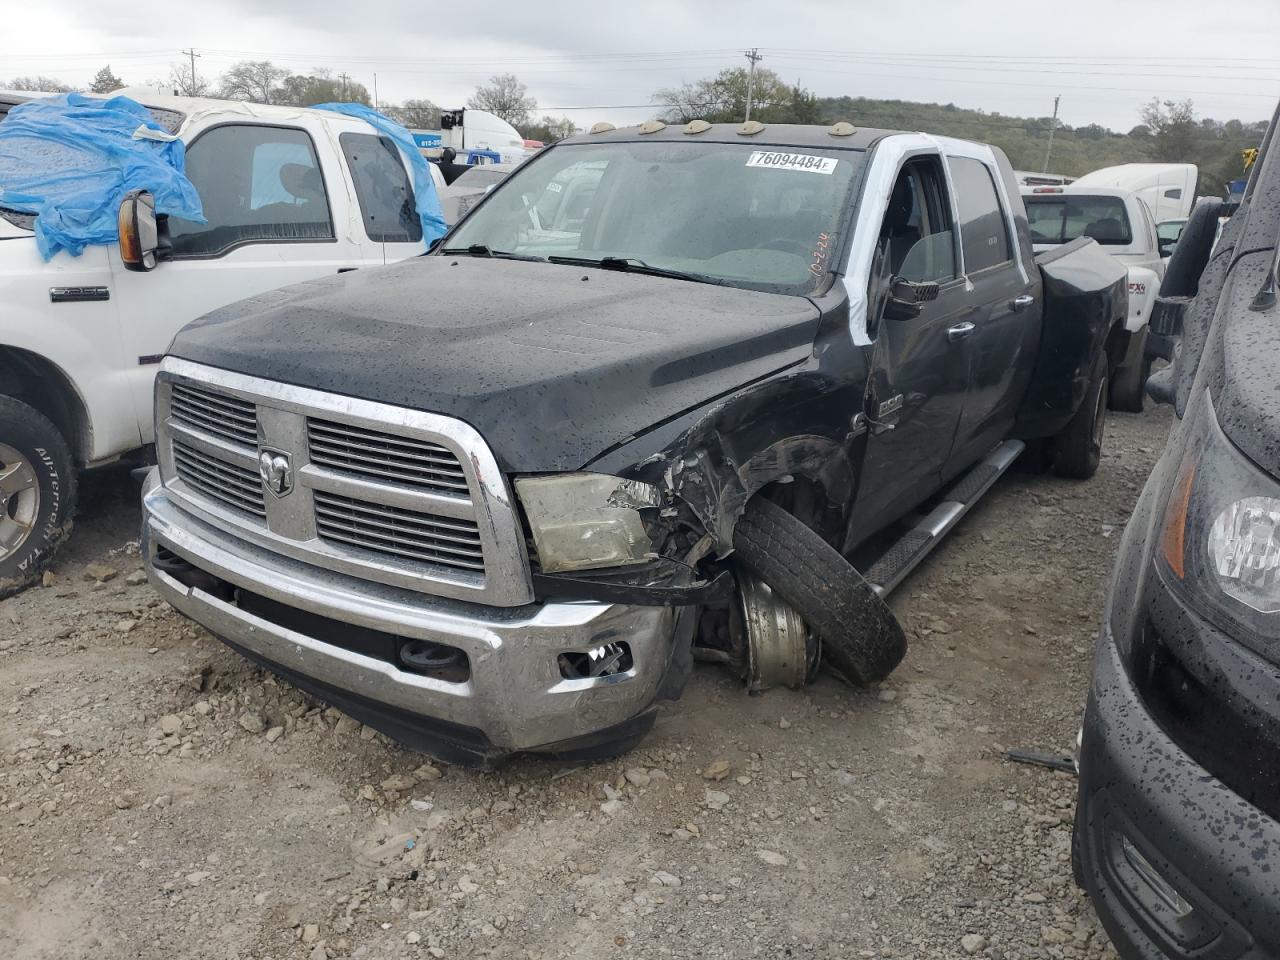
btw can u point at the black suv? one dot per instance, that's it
(1178, 823)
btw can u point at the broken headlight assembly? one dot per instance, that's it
(1219, 546)
(585, 521)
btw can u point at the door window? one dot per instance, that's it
(917, 233)
(258, 184)
(984, 232)
(382, 186)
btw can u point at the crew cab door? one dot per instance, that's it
(919, 374)
(1001, 343)
(276, 198)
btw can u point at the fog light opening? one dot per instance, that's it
(606, 660)
(435, 660)
(1151, 876)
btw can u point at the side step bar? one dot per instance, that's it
(914, 545)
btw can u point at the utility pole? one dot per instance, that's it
(375, 91)
(344, 78)
(753, 57)
(191, 89)
(1053, 124)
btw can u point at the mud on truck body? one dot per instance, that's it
(497, 499)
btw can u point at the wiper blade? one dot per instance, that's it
(636, 265)
(481, 250)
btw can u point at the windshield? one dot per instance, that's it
(754, 217)
(1057, 218)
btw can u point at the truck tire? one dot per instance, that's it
(1129, 383)
(37, 494)
(860, 637)
(1077, 450)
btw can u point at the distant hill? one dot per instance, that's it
(1076, 150)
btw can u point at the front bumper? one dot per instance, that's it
(1176, 863)
(515, 698)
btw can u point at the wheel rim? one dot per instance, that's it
(1100, 416)
(19, 500)
(777, 637)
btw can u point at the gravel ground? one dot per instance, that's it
(159, 798)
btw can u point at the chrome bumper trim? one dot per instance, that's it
(515, 696)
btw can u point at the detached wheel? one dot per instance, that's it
(1129, 386)
(1077, 450)
(860, 637)
(37, 494)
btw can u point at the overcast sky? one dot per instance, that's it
(1105, 57)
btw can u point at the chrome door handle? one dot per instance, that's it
(960, 331)
(1023, 301)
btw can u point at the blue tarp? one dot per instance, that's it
(71, 159)
(424, 188)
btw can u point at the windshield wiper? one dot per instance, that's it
(636, 265)
(481, 250)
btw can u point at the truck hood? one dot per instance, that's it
(10, 231)
(552, 364)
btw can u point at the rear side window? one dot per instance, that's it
(258, 184)
(1060, 218)
(387, 204)
(984, 234)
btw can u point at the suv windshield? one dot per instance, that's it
(1059, 218)
(745, 215)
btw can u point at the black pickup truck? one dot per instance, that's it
(665, 393)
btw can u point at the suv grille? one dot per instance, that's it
(214, 477)
(224, 416)
(379, 456)
(407, 534)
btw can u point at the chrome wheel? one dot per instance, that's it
(780, 651)
(19, 500)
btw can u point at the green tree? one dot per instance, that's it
(506, 97)
(321, 86)
(257, 81)
(104, 81)
(1173, 131)
(415, 114)
(549, 129)
(723, 99)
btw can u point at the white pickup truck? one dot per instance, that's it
(1123, 225)
(290, 194)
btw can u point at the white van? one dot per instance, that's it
(290, 194)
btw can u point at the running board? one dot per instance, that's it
(914, 545)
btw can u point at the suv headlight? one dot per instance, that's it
(1220, 540)
(585, 520)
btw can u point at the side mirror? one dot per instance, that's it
(139, 232)
(906, 298)
(1166, 247)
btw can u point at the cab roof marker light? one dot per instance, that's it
(750, 128)
(602, 127)
(842, 129)
(652, 126)
(697, 126)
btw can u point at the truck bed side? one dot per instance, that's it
(1085, 298)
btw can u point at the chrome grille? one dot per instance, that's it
(220, 414)
(383, 457)
(227, 483)
(403, 498)
(406, 534)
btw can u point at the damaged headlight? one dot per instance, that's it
(584, 520)
(1220, 540)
